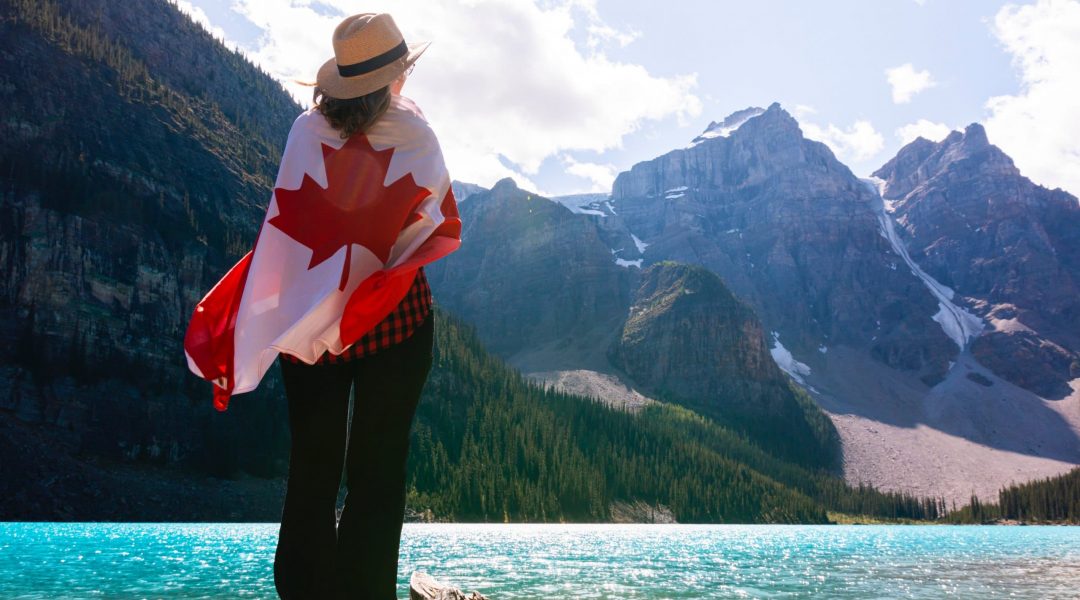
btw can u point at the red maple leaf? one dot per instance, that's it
(354, 208)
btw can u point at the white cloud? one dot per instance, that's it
(502, 78)
(906, 82)
(601, 176)
(599, 34)
(1040, 126)
(924, 128)
(857, 143)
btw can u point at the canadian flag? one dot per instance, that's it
(348, 225)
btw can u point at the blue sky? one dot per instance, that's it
(563, 95)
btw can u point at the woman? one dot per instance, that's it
(357, 94)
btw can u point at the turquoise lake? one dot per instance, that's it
(226, 560)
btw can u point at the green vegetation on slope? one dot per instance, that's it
(690, 341)
(111, 121)
(492, 446)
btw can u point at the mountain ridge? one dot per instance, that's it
(1009, 247)
(868, 329)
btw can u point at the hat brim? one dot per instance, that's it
(331, 81)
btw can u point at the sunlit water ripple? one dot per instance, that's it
(226, 560)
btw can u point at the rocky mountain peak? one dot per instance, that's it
(921, 160)
(975, 136)
(773, 122)
(973, 144)
(748, 147)
(505, 185)
(1007, 245)
(776, 123)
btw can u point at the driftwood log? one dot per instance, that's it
(424, 587)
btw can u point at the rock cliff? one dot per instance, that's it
(136, 159)
(790, 230)
(1009, 248)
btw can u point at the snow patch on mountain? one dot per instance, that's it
(728, 126)
(786, 361)
(586, 204)
(957, 322)
(641, 246)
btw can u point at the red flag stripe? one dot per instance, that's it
(209, 338)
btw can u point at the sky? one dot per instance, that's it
(562, 95)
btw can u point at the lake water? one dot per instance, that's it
(140, 560)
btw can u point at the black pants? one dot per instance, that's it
(358, 558)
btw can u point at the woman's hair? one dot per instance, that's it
(352, 115)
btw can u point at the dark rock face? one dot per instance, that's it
(790, 230)
(687, 338)
(529, 272)
(686, 333)
(1009, 247)
(136, 158)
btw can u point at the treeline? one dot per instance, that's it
(1050, 500)
(866, 500)
(491, 446)
(192, 63)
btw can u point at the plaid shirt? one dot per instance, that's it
(410, 314)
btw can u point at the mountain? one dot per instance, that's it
(793, 232)
(533, 277)
(856, 316)
(559, 294)
(1008, 247)
(888, 350)
(137, 155)
(688, 339)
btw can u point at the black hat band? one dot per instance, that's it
(374, 63)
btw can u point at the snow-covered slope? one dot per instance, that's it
(729, 125)
(957, 322)
(586, 204)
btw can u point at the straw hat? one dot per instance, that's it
(369, 53)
